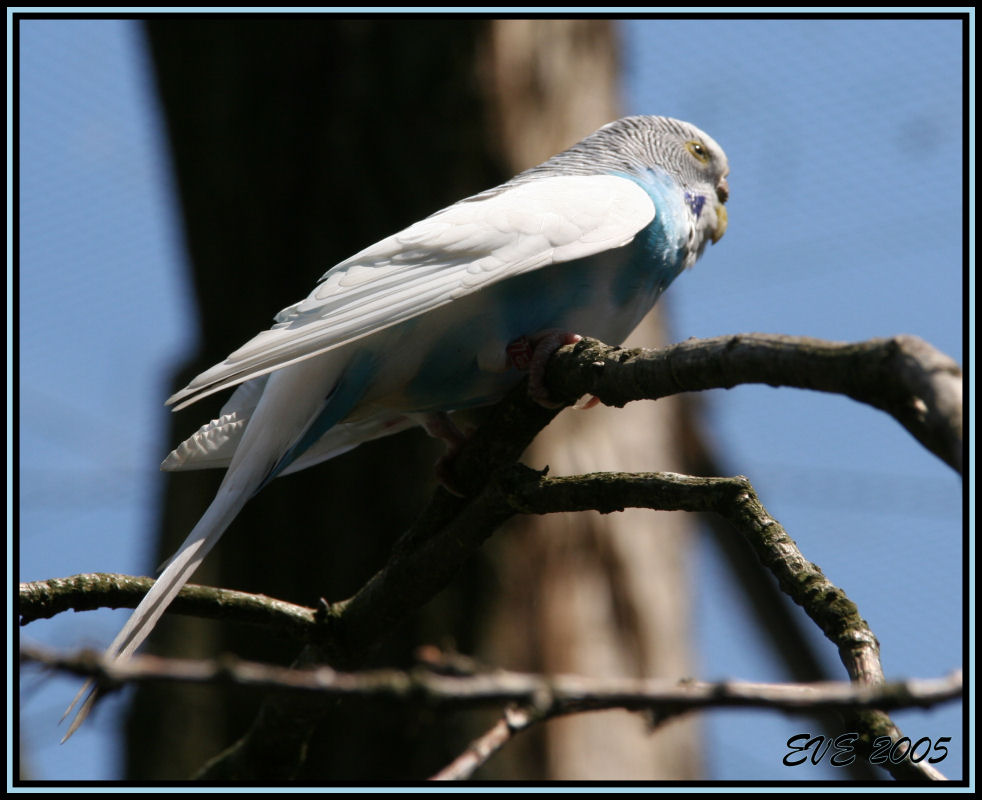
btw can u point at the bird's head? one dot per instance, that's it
(691, 157)
(648, 146)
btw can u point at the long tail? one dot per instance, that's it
(294, 399)
(203, 537)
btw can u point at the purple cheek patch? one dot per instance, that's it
(695, 202)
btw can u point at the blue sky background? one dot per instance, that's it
(845, 145)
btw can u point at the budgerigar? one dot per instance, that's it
(446, 314)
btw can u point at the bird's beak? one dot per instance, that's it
(722, 194)
(720, 228)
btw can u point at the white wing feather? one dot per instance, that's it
(214, 443)
(454, 252)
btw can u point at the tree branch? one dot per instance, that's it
(533, 698)
(550, 696)
(904, 376)
(89, 591)
(413, 575)
(735, 500)
(520, 489)
(514, 720)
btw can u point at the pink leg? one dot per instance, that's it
(532, 353)
(439, 425)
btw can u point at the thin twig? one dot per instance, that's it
(559, 694)
(88, 591)
(480, 751)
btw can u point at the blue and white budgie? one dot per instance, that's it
(448, 314)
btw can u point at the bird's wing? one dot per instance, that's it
(452, 253)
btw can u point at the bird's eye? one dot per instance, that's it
(698, 149)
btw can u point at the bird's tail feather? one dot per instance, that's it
(290, 403)
(143, 619)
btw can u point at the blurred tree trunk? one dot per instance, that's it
(589, 594)
(296, 143)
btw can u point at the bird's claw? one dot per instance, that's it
(532, 353)
(439, 425)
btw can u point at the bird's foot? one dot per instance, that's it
(532, 353)
(439, 425)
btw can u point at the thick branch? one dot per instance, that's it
(904, 376)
